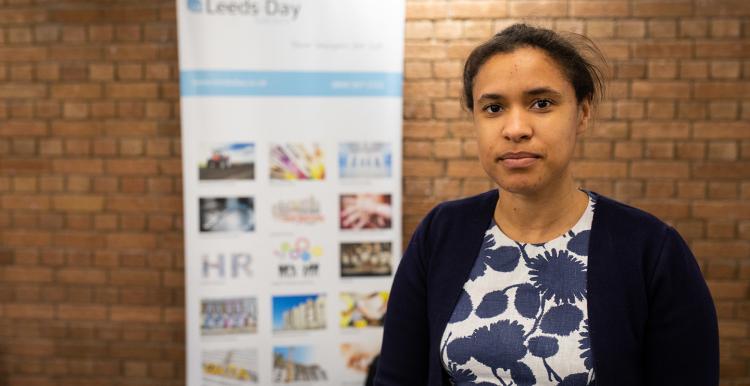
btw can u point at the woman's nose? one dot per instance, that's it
(516, 127)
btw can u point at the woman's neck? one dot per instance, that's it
(541, 216)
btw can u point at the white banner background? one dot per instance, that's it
(261, 82)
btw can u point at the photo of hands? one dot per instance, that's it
(365, 211)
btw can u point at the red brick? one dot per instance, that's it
(477, 9)
(628, 150)
(23, 54)
(82, 312)
(614, 50)
(721, 209)
(660, 189)
(131, 240)
(659, 109)
(662, 9)
(22, 90)
(71, 52)
(612, 130)
(135, 278)
(424, 89)
(22, 128)
(135, 314)
(414, 168)
(629, 109)
(627, 189)
(132, 109)
(79, 90)
(660, 150)
(630, 70)
(477, 29)
(630, 28)
(662, 69)
(426, 10)
(691, 110)
(721, 249)
(461, 168)
(101, 71)
(661, 89)
(666, 209)
(694, 70)
(723, 110)
(159, 33)
(83, 166)
(722, 8)
(599, 169)
(417, 110)
(21, 274)
(132, 90)
(598, 28)
(419, 29)
(29, 311)
(721, 130)
(693, 27)
(131, 128)
(719, 169)
(723, 151)
(447, 29)
(659, 169)
(726, 28)
(691, 150)
(691, 189)
(22, 16)
(725, 69)
(131, 167)
(597, 150)
(538, 8)
(25, 202)
(82, 276)
(721, 229)
(671, 50)
(448, 109)
(87, 203)
(128, 52)
(721, 49)
(724, 290)
(614, 8)
(76, 128)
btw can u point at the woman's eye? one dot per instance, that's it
(542, 103)
(493, 108)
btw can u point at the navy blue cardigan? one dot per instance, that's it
(651, 317)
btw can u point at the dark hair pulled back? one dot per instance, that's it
(585, 77)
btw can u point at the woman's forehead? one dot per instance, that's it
(518, 71)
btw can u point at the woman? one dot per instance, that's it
(538, 282)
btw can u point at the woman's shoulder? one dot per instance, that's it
(616, 214)
(633, 231)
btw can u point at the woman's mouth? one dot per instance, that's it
(518, 160)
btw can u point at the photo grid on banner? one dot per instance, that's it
(291, 142)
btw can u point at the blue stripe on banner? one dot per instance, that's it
(272, 83)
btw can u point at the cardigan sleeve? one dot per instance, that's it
(404, 353)
(682, 345)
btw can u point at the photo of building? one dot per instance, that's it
(292, 364)
(299, 312)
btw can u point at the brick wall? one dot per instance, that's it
(91, 283)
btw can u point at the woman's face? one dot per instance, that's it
(527, 118)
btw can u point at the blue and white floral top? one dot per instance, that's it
(522, 318)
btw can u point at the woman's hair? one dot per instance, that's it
(585, 77)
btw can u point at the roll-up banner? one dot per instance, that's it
(291, 143)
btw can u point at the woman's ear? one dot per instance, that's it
(584, 115)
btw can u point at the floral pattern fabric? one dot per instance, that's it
(521, 318)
